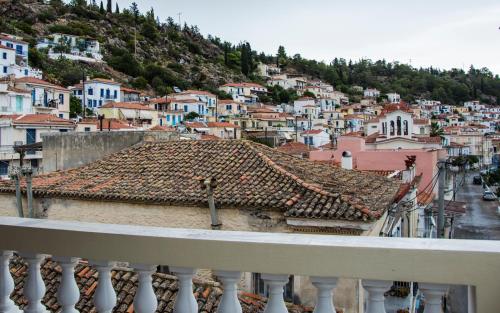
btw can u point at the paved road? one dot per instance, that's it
(481, 221)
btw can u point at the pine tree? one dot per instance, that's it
(244, 60)
(101, 8)
(249, 58)
(135, 11)
(109, 7)
(117, 9)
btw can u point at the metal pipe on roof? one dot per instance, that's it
(209, 184)
(27, 171)
(19, 201)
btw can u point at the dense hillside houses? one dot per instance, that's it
(14, 57)
(71, 47)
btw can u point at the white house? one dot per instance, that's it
(315, 137)
(244, 92)
(14, 100)
(98, 91)
(46, 98)
(16, 130)
(12, 64)
(371, 93)
(206, 97)
(189, 105)
(394, 97)
(16, 43)
(300, 104)
(71, 47)
(475, 106)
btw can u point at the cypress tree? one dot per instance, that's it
(117, 9)
(109, 7)
(101, 8)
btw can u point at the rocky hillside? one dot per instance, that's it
(138, 49)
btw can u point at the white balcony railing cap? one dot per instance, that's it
(424, 260)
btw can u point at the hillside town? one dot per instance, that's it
(227, 160)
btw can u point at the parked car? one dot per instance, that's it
(477, 180)
(489, 196)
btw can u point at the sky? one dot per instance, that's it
(440, 33)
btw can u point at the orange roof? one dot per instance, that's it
(4, 37)
(39, 119)
(195, 124)
(113, 124)
(421, 121)
(7, 48)
(126, 105)
(130, 90)
(312, 132)
(296, 148)
(36, 81)
(247, 85)
(221, 124)
(197, 92)
(104, 81)
(209, 137)
(163, 128)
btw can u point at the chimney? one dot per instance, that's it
(346, 160)
(209, 185)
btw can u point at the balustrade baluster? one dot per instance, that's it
(376, 290)
(276, 283)
(6, 285)
(34, 287)
(325, 286)
(185, 301)
(105, 295)
(145, 300)
(68, 293)
(433, 294)
(229, 302)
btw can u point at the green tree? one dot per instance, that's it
(436, 130)
(117, 9)
(191, 116)
(101, 8)
(75, 107)
(135, 12)
(281, 57)
(109, 7)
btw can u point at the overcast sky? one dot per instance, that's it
(441, 33)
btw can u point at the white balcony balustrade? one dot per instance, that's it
(434, 264)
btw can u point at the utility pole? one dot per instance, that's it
(179, 15)
(442, 181)
(83, 95)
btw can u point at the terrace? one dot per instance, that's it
(434, 264)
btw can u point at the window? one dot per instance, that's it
(34, 163)
(100, 103)
(5, 69)
(4, 167)
(115, 94)
(4, 55)
(102, 93)
(161, 122)
(89, 103)
(61, 115)
(26, 72)
(19, 103)
(79, 92)
(91, 92)
(229, 107)
(19, 49)
(95, 103)
(87, 129)
(63, 130)
(173, 120)
(61, 98)
(168, 118)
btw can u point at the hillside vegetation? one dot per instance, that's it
(146, 53)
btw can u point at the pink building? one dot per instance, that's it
(365, 158)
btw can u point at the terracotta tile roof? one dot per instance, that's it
(39, 119)
(421, 121)
(296, 148)
(221, 124)
(130, 90)
(195, 124)
(36, 81)
(436, 139)
(372, 138)
(125, 282)
(103, 80)
(247, 85)
(209, 137)
(4, 37)
(312, 132)
(163, 128)
(249, 175)
(228, 102)
(108, 123)
(196, 92)
(6, 48)
(126, 105)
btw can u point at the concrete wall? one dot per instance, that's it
(64, 151)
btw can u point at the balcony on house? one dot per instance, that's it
(434, 264)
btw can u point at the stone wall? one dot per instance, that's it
(62, 151)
